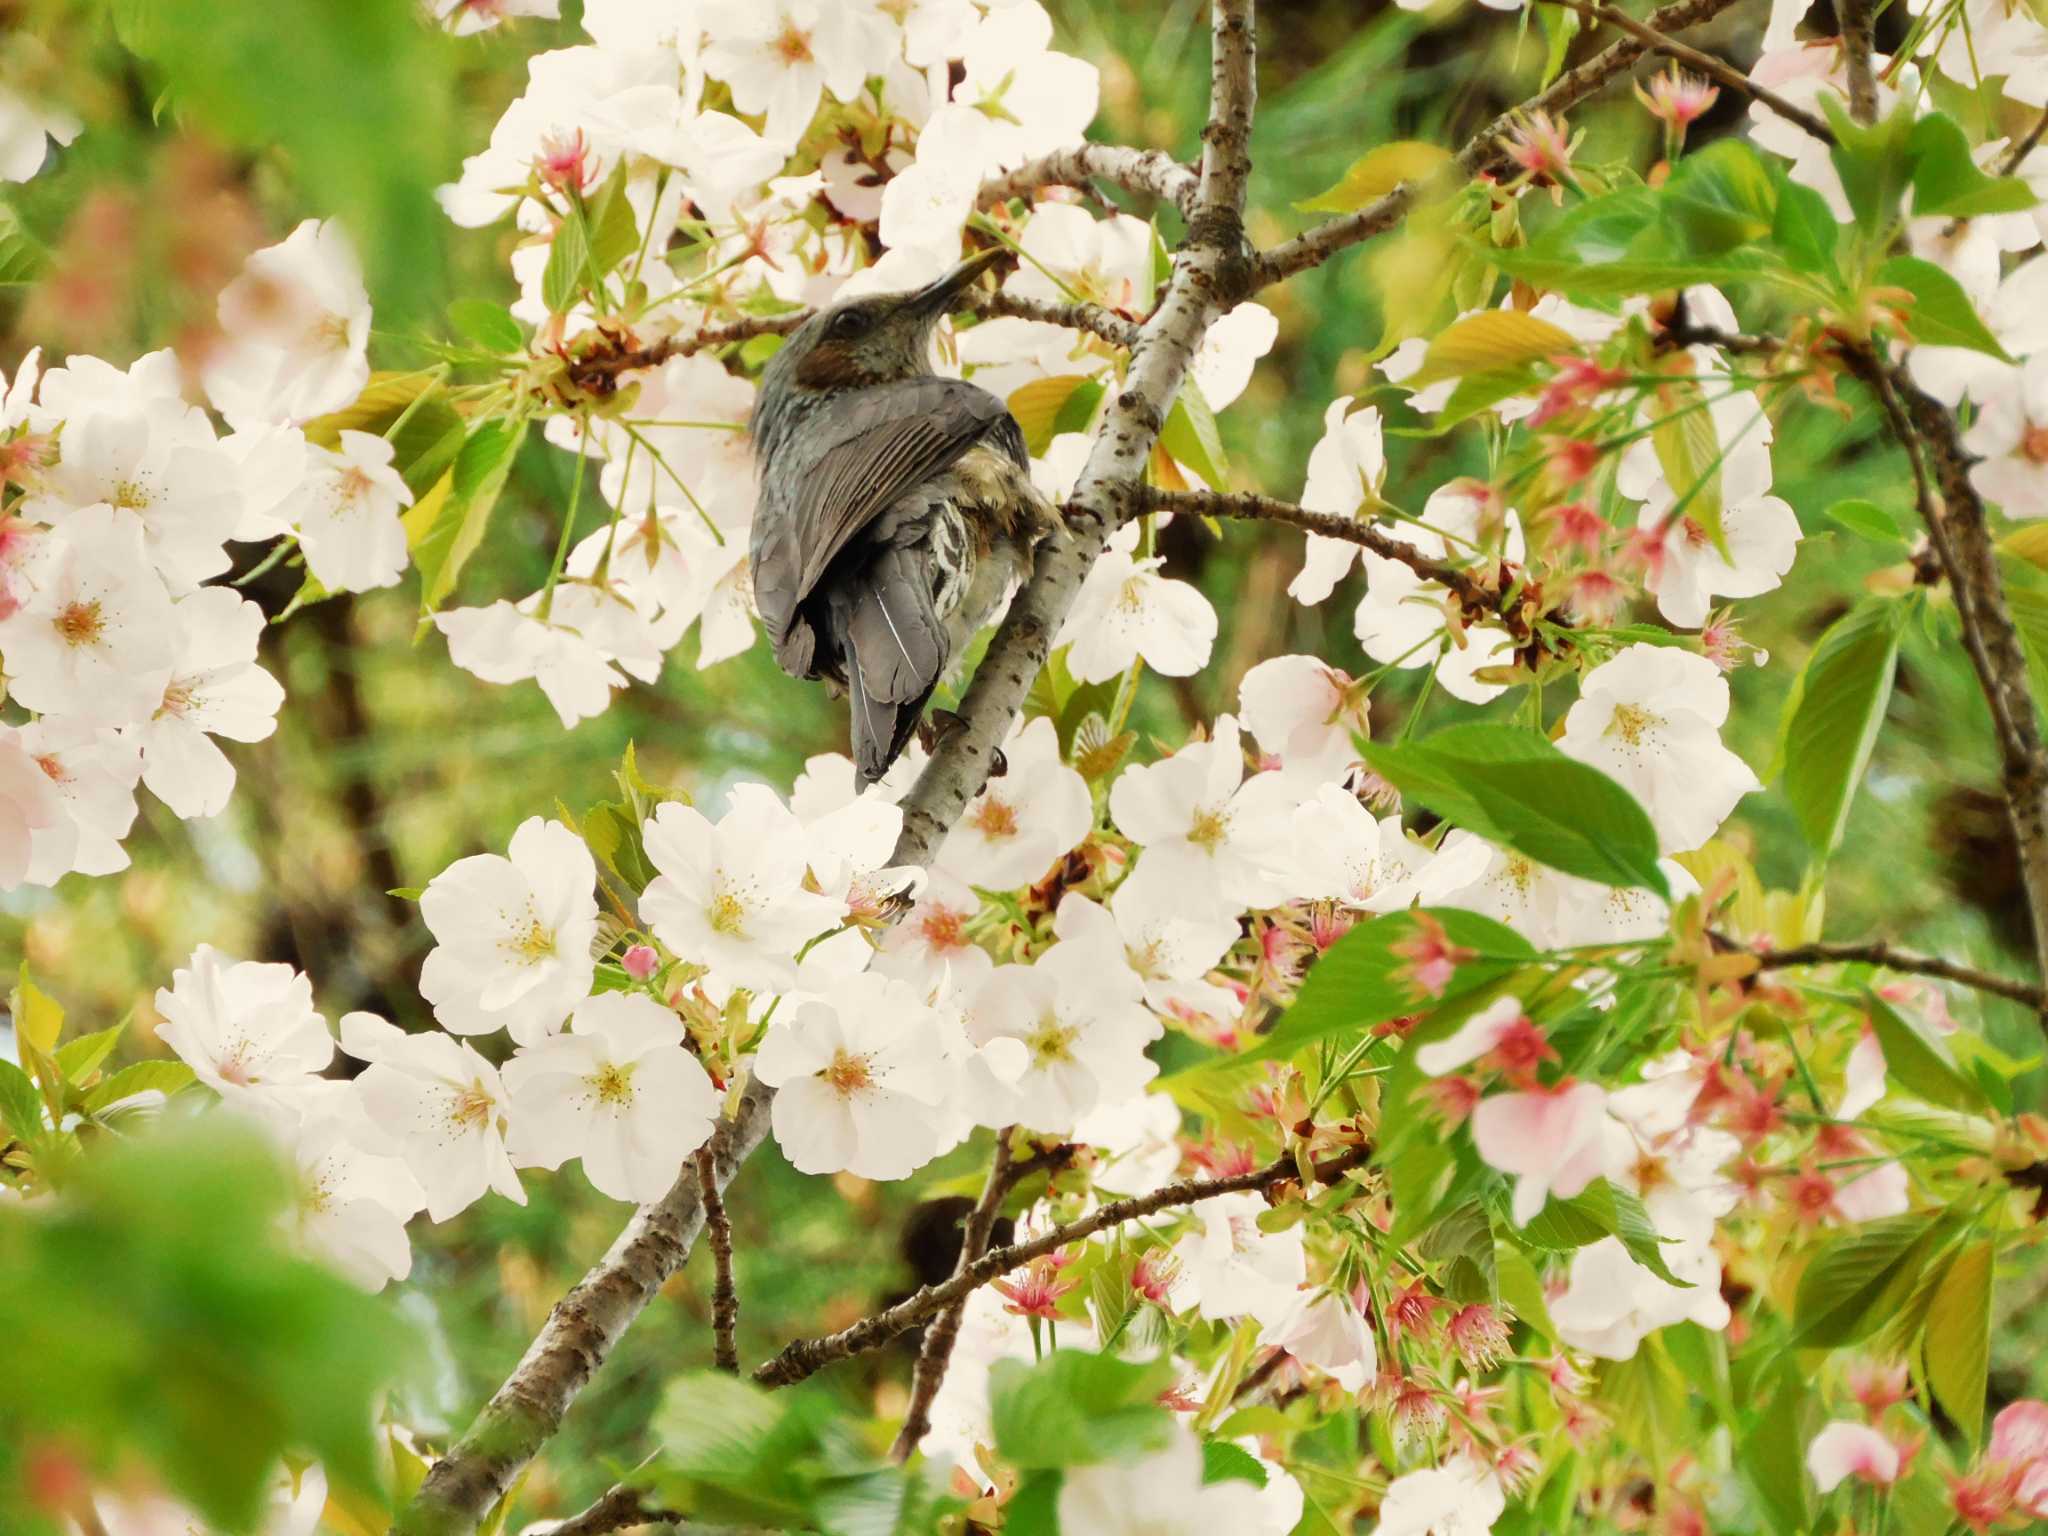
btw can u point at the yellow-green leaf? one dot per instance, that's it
(1377, 172)
(380, 403)
(1037, 406)
(2029, 542)
(1494, 338)
(1689, 451)
(1958, 1340)
(38, 1017)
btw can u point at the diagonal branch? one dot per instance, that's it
(1879, 953)
(1858, 24)
(1148, 172)
(525, 1412)
(807, 1356)
(1482, 153)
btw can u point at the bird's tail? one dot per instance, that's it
(895, 649)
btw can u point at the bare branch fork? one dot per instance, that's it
(807, 1356)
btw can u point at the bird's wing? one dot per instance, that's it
(886, 440)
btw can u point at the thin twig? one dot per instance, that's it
(2016, 156)
(1880, 953)
(1476, 596)
(1859, 41)
(1705, 63)
(1106, 323)
(807, 1356)
(725, 1298)
(1149, 172)
(937, 1349)
(1482, 153)
(616, 1509)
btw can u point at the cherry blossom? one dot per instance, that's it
(1847, 1449)
(1036, 100)
(1305, 713)
(1458, 1498)
(781, 56)
(505, 643)
(1068, 255)
(1234, 1268)
(88, 641)
(242, 1027)
(465, 17)
(215, 689)
(617, 1090)
(730, 895)
(38, 838)
(352, 1203)
(1401, 620)
(1548, 1139)
(27, 129)
(297, 323)
(93, 771)
(512, 934)
(2010, 439)
(1162, 1491)
(349, 515)
(858, 1078)
(442, 1105)
(1342, 854)
(1611, 1303)
(1167, 944)
(1128, 612)
(1651, 719)
(1012, 831)
(1344, 472)
(930, 943)
(1204, 823)
(1084, 1040)
(1323, 1329)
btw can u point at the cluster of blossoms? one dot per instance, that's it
(117, 637)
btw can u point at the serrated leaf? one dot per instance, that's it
(1867, 520)
(1075, 1409)
(1918, 1061)
(1720, 198)
(1947, 180)
(1376, 173)
(455, 527)
(21, 1107)
(165, 1077)
(1511, 785)
(1940, 313)
(1038, 404)
(38, 1018)
(1602, 1210)
(1958, 1340)
(1833, 716)
(1490, 340)
(1223, 1462)
(1849, 1286)
(561, 280)
(78, 1059)
(382, 401)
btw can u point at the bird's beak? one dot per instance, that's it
(937, 297)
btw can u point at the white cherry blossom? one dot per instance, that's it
(1162, 1491)
(243, 1027)
(1345, 469)
(1548, 1139)
(1204, 823)
(27, 129)
(93, 771)
(1012, 831)
(39, 840)
(348, 517)
(1235, 1268)
(781, 56)
(1323, 1329)
(352, 1203)
(1149, 931)
(1458, 1498)
(1036, 100)
(619, 1091)
(1068, 255)
(512, 934)
(297, 328)
(1304, 714)
(88, 640)
(1084, 1035)
(1127, 611)
(215, 689)
(1342, 854)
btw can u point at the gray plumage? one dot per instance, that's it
(896, 509)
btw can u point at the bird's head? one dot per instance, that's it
(873, 339)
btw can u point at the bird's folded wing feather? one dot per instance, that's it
(887, 440)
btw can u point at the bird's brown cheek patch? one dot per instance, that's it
(830, 367)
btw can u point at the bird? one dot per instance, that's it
(895, 508)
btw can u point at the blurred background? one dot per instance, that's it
(389, 763)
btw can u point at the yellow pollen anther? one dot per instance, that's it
(612, 1083)
(1209, 828)
(794, 44)
(728, 915)
(1052, 1041)
(994, 818)
(131, 496)
(471, 1109)
(534, 945)
(80, 623)
(848, 1073)
(1630, 722)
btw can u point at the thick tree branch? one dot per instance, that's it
(1482, 153)
(1960, 531)
(1147, 172)
(1479, 599)
(1905, 962)
(525, 1412)
(807, 1356)
(1208, 274)
(725, 1298)
(1859, 40)
(1705, 63)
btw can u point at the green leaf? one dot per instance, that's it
(1875, 161)
(22, 256)
(1833, 716)
(451, 523)
(1853, 1283)
(1491, 340)
(562, 279)
(1509, 784)
(1647, 1400)
(1039, 405)
(1621, 279)
(78, 1059)
(1868, 520)
(489, 325)
(1720, 198)
(1942, 314)
(1687, 442)
(1034, 1509)
(1191, 436)
(21, 1107)
(1377, 172)
(1074, 1408)
(1464, 1241)
(1947, 180)
(1773, 1454)
(165, 1077)
(1804, 230)
(1223, 1462)
(1958, 1342)
(1597, 1211)
(1919, 1061)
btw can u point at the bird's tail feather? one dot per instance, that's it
(897, 651)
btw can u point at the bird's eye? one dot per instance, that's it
(849, 324)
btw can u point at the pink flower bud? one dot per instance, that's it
(640, 961)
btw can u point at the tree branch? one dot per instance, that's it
(1103, 322)
(525, 1412)
(1905, 962)
(1859, 40)
(807, 1356)
(725, 1299)
(1479, 599)
(939, 1338)
(1960, 531)
(1148, 172)
(1482, 152)
(618, 1508)
(1705, 63)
